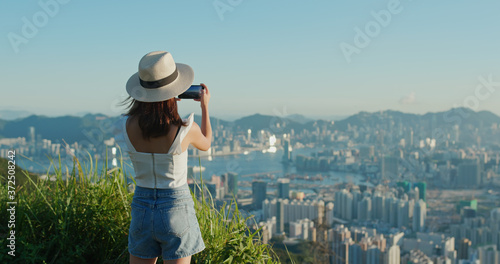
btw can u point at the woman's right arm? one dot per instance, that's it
(201, 137)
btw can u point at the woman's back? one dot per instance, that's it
(161, 162)
(160, 144)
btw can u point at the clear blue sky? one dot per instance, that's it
(269, 57)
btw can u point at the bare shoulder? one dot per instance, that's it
(194, 128)
(193, 132)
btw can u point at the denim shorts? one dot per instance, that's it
(164, 224)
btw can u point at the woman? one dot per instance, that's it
(163, 217)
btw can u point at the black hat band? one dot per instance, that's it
(159, 83)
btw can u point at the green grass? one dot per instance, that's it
(84, 215)
(21, 177)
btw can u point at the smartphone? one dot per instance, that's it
(193, 92)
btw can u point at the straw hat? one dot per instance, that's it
(159, 78)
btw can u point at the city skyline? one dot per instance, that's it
(258, 57)
(11, 115)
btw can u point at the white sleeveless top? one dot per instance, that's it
(157, 170)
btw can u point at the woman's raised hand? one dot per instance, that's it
(205, 97)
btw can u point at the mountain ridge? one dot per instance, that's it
(73, 128)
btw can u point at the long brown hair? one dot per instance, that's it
(154, 118)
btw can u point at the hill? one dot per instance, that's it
(96, 127)
(68, 128)
(274, 124)
(456, 116)
(213, 121)
(21, 178)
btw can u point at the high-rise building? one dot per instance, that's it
(422, 189)
(294, 210)
(344, 204)
(269, 210)
(389, 167)
(495, 226)
(280, 215)
(32, 140)
(378, 206)
(389, 213)
(456, 129)
(393, 255)
(468, 212)
(357, 196)
(355, 254)
(414, 194)
(287, 149)
(218, 181)
(373, 255)
(469, 173)
(259, 190)
(393, 212)
(403, 214)
(366, 152)
(303, 229)
(295, 229)
(489, 254)
(31, 135)
(419, 215)
(224, 183)
(319, 210)
(232, 182)
(365, 209)
(329, 213)
(234, 145)
(283, 188)
(341, 242)
(411, 139)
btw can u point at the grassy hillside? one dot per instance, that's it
(21, 177)
(85, 219)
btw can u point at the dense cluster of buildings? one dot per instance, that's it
(220, 187)
(477, 230)
(446, 168)
(363, 245)
(287, 211)
(398, 232)
(32, 145)
(401, 208)
(363, 224)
